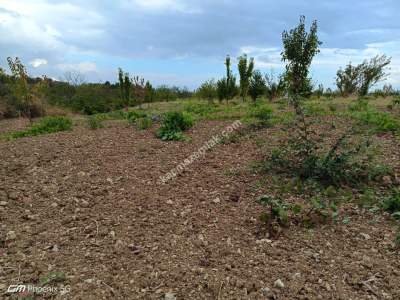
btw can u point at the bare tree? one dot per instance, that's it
(74, 78)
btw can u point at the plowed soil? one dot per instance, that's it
(89, 204)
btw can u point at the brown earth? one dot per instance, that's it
(89, 204)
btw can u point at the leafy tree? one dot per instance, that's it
(245, 68)
(27, 97)
(149, 97)
(257, 85)
(300, 47)
(373, 72)
(208, 90)
(359, 79)
(226, 87)
(125, 84)
(275, 86)
(347, 80)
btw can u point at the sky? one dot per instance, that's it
(184, 43)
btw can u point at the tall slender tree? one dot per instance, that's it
(245, 68)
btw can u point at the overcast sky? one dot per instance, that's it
(182, 43)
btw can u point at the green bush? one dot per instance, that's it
(144, 123)
(133, 115)
(262, 114)
(44, 126)
(343, 163)
(201, 109)
(174, 123)
(392, 203)
(94, 122)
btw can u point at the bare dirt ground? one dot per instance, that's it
(89, 204)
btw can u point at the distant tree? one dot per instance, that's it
(226, 87)
(139, 90)
(208, 90)
(125, 85)
(373, 72)
(388, 90)
(245, 68)
(74, 78)
(319, 92)
(300, 47)
(359, 79)
(149, 97)
(28, 98)
(275, 86)
(257, 85)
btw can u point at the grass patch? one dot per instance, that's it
(44, 126)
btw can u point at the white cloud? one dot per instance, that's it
(36, 63)
(83, 67)
(162, 5)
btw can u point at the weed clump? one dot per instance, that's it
(173, 125)
(94, 122)
(144, 123)
(45, 126)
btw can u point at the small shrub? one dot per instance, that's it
(201, 109)
(94, 122)
(133, 115)
(263, 115)
(392, 203)
(276, 214)
(174, 123)
(144, 123)
(45, 126)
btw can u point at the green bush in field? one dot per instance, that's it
(133, 115)
(262, 114)
(94, 122)
(392, 203)
(44, 126)
(174, 123)
(201, 109)
(144, 123)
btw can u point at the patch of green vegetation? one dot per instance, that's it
(260, 116)
(377, 120)
(44, 126)
(94, 122)
(144, 123)
(52, 277)
(201, 109)
(314, 109)
(391, 204)
(133, 115)
(173, 125)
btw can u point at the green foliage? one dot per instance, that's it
(174, 123)
(208, 90)
(300, 47)
(144, 123)
(343, 163)
(94, 122)
(133, 115)
(201, 109)
(277, 211)
(262, 114)
(45, 126)
(26, 98)
(52, 277)
(275, 86)
(257, 86)
(392, 203)
(245, 68)
(377, 120)
(359, 79)
(226, 87)
(125, 84)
